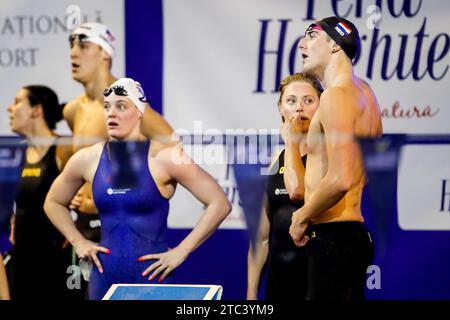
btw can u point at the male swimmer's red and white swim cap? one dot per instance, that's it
(343, 32)
(99, 34)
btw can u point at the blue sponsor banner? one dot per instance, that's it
(409, 264)
(12, 156)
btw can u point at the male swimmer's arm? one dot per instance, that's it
(182, 169)
(154, 126)
(257, 258)
(4, 290)
(86, 200)
(64, 151)
(12, 227)
(338, 124)
(69, 113)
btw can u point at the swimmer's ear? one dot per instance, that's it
(37, 111)
(106, 57)
(335, 48)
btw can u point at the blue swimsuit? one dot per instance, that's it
(133, 217)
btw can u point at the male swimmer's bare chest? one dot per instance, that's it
(89, 124)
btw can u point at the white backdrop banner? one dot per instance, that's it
(34, 46)
(423, 189)
(186, 210)
(223, 60)
(217, 155)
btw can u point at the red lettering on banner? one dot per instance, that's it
(397, 112)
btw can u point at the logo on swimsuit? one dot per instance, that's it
(31, 172)
(280, 191)
(112, 191)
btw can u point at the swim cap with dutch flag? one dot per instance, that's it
(342, 31)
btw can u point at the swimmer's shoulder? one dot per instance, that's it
(89, 154)
(71, 108)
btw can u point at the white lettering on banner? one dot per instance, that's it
(339, 31)
(423, 192)
(34, 46)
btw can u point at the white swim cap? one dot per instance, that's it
(97, 33)
(129, 88)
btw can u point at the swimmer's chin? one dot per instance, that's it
(114, 136)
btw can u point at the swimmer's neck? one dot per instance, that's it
(339, 70)
(38, 132)
(94, 88)
(140, 137)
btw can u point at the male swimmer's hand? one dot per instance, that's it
(87, 250)
(83, 202)
(65, 244)
(12, 239)
(297, 230)
(167, 261)
(75, 204)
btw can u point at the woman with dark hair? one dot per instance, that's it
(39, 262)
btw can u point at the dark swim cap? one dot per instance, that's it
(343, 32)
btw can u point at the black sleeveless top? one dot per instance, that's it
(32, 227)
(287, 264)
(280, 207)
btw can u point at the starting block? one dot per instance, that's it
(163, 292)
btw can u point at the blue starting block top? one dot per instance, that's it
(163, 292)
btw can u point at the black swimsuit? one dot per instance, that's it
(287, 264)
(339, 254)
(39, 263)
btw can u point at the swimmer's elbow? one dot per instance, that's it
(227, 207)
(380, 130)
(340, 184)
(222, 207)
(343, 185)
(47, 206)
(51, 204)
(297, 195)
